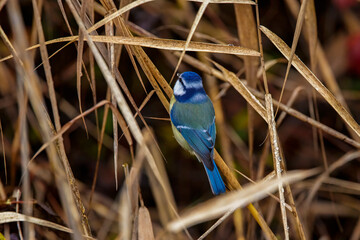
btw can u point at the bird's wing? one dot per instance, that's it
(201, 142)
(196, 123)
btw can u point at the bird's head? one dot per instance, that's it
(189, 88)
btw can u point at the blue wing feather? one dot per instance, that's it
(196, 123)
(201, 142)
(212, 130)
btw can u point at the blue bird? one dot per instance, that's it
(193, 123)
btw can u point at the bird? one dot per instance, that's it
(193, 123)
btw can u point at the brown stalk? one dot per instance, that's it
(190, 35)
(223, 138)
(166, 44)
(22, 96)
(79, 62)
(2, 195)
(275, 146)
(59, 143)
(299, 24)
(141, 2)
(118, 76)
(346, 158)
(247, 33)
(311, 121)
(233, 200)
(313, 80)
(325, 69)
(164, 197)
(145, 226)
(31, 83)
(8, 217)
(133, 126)
(109, 28)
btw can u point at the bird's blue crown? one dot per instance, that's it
(189, 88)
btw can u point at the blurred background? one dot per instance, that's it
(334, 211)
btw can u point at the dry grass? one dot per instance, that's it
(71, 171)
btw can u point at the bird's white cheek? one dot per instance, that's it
(179, 89)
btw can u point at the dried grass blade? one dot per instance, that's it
(275, 147)
(121, 102)
(243, 90)
(118, 13)
(22, 98)
(165, 44)
(311, 27)
(116, 142)
(122, 123)
(233, 184)
(8, 217)
(2, 192)
(31, 82)
(324, 65)
(312, 122)
(164, 197)
(249, 2)
(289, 104)
(147, 66)
(72, 112)
(124, 215)
(79, 62)
(218, 222)
(350, 156)
(248, 36)
(177, 45)
(128, 197)
(140, 2)
(111, 81)
(352, 186)
(149, 69)
(145, 229)
(109, 29)
(299, 24)
(356, 233)
(194, 25)
(100, 143)
(220, 118)
(145, 62)
(67, 126)
(313, 80)
(3, 196)
(92, 80)
(110, 7)
(236, 199)
(2, 4)
(269, 64)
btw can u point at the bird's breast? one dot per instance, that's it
(181, 140)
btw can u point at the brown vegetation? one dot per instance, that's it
(87, 147)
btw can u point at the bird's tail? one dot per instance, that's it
(216, 183)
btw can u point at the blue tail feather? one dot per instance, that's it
(216, 183)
